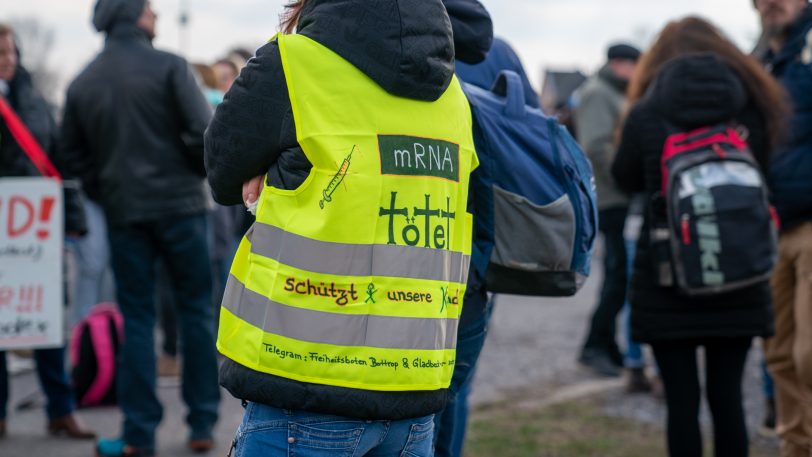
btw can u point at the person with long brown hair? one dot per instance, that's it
(694, 77)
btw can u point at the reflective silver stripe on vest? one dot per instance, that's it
(339, 259)
(338, 329)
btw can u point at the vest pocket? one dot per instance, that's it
(267, 187)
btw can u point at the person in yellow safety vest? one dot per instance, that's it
(339, 319)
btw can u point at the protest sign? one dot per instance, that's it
(31, 241)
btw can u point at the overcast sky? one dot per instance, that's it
(561, 34)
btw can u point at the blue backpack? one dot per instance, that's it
(535, 212)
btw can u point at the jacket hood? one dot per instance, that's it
(473, 30)
(697, 90)
(405, 46)
(111, 13)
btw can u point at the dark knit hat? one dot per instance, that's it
(109, 13)
(623, 51)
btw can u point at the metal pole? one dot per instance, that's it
(183, 22)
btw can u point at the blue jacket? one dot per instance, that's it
(790, 173)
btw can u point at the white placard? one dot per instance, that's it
(31, 241)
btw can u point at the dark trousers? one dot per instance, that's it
(451, 423)
(179, 242)
(724, 366)
(613, 292)
(52, 378)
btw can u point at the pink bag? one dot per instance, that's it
(94, 345)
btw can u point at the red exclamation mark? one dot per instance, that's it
(45, 216)
(24, 300)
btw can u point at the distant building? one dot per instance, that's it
(557, 88)
(556, 94)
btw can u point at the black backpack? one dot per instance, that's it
(94, 347)
(720, 233)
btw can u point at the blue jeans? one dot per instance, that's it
(93, 282)
(168, 317)
(52, 378)
(271, 432)
(180, 242)
(634, 357)
(768, 385)
(451, 423)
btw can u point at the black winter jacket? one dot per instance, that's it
(133, 129)
(689, 92)
(35, 113)
(403, 45)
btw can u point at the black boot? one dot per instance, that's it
(600, 362)
(637, 382)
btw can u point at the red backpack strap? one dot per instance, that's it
(27, 142)
(677, 143)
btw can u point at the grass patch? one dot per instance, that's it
(576, 429)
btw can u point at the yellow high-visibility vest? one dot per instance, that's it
(356, 278)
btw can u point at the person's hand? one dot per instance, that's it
(251, 190)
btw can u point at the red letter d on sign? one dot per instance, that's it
(17, 222)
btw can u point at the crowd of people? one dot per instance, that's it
(317, 134)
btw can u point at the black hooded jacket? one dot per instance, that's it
(403, 45)
(688, 93)
(415, 62)
(133, 124)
